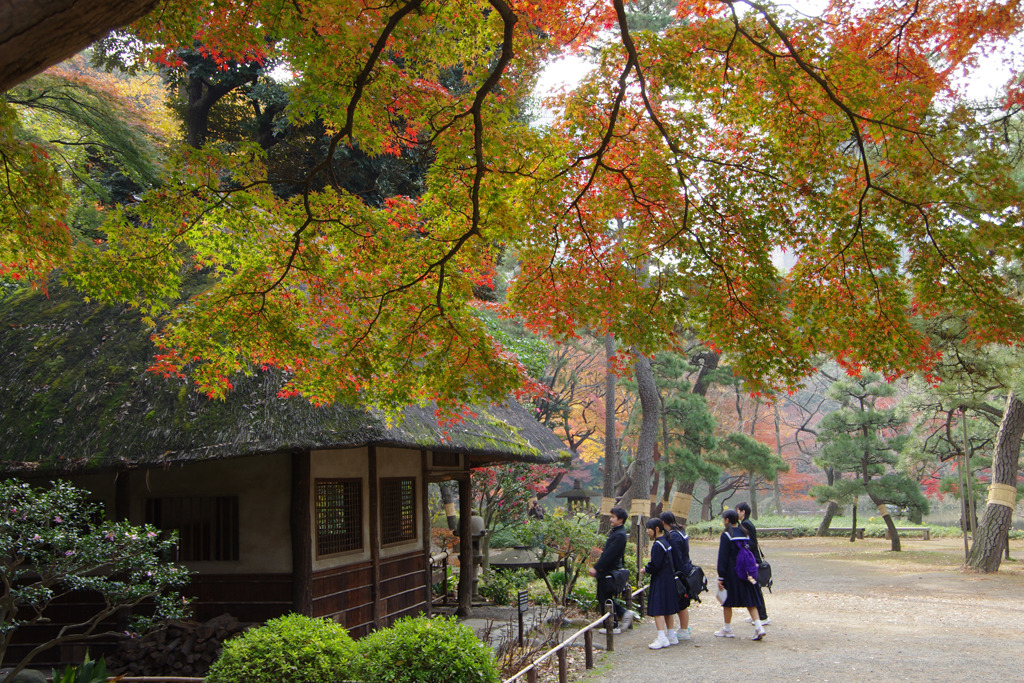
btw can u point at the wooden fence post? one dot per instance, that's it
(588, 647)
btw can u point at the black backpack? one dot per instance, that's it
(695, 582)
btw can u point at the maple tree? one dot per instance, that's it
(741, 129)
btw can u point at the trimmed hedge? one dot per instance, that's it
(422, 650)
(289, 648)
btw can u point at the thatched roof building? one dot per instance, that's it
(278, 505)
(76, 396)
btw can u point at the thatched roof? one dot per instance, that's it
(75, 396)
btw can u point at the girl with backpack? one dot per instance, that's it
(737, 573)
(661, 600)
(681, 561)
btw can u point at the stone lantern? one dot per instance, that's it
(577, 499)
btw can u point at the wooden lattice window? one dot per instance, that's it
(397, 510)
(207, 526)
(339, 515)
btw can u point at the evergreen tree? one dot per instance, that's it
(863, 438)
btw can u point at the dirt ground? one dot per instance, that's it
(846, 611)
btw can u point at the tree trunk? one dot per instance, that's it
(991, 535)
(776, 486)
(705, 504)
(830, 511)
(753, 495)
(611, 451)
(36, 34)
(449, 495)
(887, 518)
(650, 408)
(832, 508)
(853, 527)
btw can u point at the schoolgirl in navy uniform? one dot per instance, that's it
(740, 593)
(681, 561)
(661, 601)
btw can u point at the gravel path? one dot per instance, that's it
(846, 612)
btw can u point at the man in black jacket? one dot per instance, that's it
(611, 559)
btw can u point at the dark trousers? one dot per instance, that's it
(605, 592)
(762, 613)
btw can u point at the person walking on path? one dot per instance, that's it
(610, 560)
(681, 561)
(740, 592)
(662, 603)
(743, 510)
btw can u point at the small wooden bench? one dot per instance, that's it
(845, 530)
(908, 529)
(788, 530)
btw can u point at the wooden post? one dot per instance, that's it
(531, 676)
(609, 625)
(428, 570)
(301, 530)
(588, 647)
(465, 598)
(122, 497)
(378, 615)
(563, 666)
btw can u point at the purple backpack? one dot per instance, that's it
(746, 563)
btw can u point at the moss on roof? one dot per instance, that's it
(75, 395)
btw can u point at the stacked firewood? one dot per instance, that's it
(183, 648)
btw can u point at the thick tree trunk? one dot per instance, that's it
(650, 408)
(611, 451)
(830, 511)
(753, 495)
(887, 518)
(449, 495)
(991, 535)
(832, 508)
(36, 34)
(705, 504)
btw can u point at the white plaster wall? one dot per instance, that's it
(351, 463)
(263, 486)
(401, 462)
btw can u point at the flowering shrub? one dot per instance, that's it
(52, 544)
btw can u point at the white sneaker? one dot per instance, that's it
(725, 632)
(627, 620)
(673, 639)
(615, 631)
(759, 633)
(683, 634)
(659, 642)
(764, 622)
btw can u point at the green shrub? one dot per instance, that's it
(584, 593)
(557, 578)
(422, 650)
(501, 586)
(289, 648)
